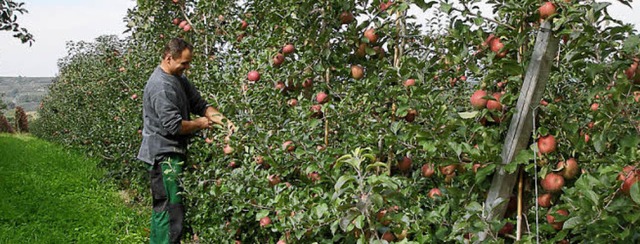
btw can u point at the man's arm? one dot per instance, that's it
(188, 127)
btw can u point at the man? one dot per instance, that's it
(169, 98)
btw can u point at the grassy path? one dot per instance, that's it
(51, 195)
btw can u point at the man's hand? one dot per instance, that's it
(203, 123)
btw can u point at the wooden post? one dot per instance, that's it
(521, 124)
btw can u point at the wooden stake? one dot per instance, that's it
(519, 218)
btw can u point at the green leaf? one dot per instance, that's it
(468, 115)
(572, 222)
(635, 193)
(375, 165)
(445, 7)
(321, 209)
(262, 214)
(342, 180)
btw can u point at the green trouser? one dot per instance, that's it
(168, 212)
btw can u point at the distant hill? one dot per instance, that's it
(26, 92)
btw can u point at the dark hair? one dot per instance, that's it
(175, 47)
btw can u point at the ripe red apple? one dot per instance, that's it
(409, 82)
(281, 242)
(176, 21)
(552, 182)
(626, 170)
(288, 49)
(380, 217)
(273, 180)
(227, 149)
(449, 169)
(411, 115)
(630, 178)
(370, 34)
(428, 170)
(547, 144)
(594, 106)
(570, 168)
(308, 83)
(134, 96)
(289, 146)
(586, 138)
(208, 140)
(544, 200)
(362, 50)
(253, 75)
(636, 96)
(265, 221)
(543, 102)
(547, 9)
(476, 167)
(557, 225)
(278, 59)
(346, 18)
(434, 192)
(313, 176)
(495, 105)
(244, 24)
(259, 159)
(292, 102)
(477, 99)
(388, 236)
(280, 86)
(357, 72)
(404, 165)
(385, 5)
(186, 27)
(506, 229)
(316, 109)
(322, 97)
(182, 24)
(496, 44)
(232, 165)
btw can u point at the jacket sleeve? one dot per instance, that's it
(165, 105)
(196, 102)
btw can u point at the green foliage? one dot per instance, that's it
(328, 188)
(8, 20)
(57, 196)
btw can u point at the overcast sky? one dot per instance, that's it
(54, 22)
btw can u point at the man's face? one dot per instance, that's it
(177, 66)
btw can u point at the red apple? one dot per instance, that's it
(357, 72)
(253, 75)
(411, 115)
(409, 82)
(288, 49)
(544, 200)
(232, 165)
(313, 176)
(281, 242)
(208, 140)
(176, 21)
(308, 83)
(626, 170)
(292, 102)
(370, 34)
(543, 102)
(186, 27)
(244, 24)
(316, 109)
(557, 225)
(385, 5)
(380, 217)
(404, 165)
(630, 179)
(362, 50)
(547, 144)
(322, 97)
(280, 86)
(346, 18)
(265, 221)
(227, 149)
(552, 182)
(449, 169)
(289, 146)
(278, 59)
(134, 96)
(594, 106)
(182, 24)
(506, 229)
(388, 236)
(570, 168)
(547, 9)
(434, 192)
(496, 44)
(495, 105)
(427, 170)
(273, 180)
(477, 99)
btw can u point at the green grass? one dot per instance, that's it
(52, 195)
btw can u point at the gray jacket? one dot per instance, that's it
(167, 100)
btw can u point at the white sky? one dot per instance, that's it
(54, 22)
